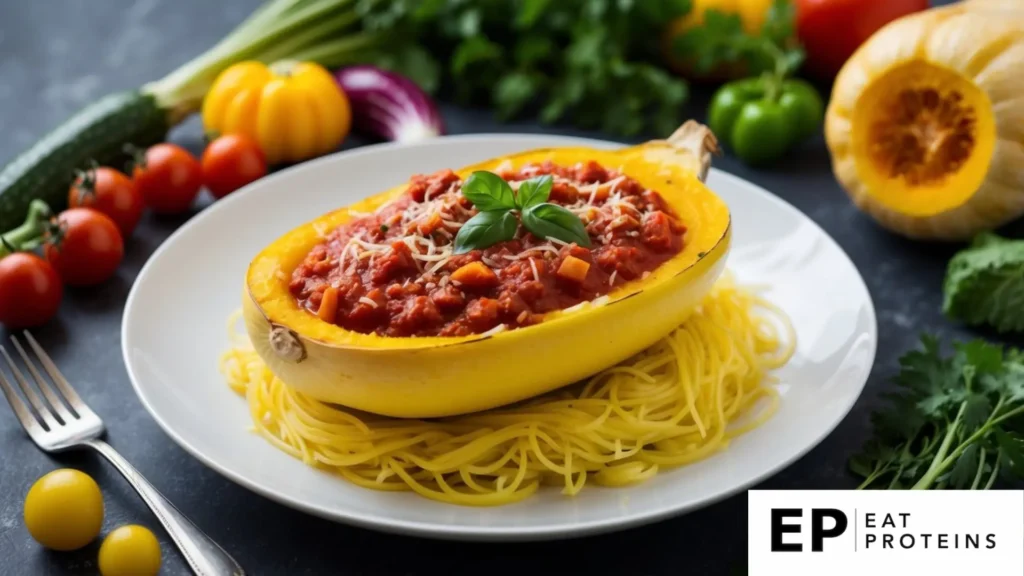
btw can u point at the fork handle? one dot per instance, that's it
(204, 555)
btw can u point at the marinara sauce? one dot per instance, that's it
(393, 273)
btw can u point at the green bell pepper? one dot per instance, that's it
(761, 118)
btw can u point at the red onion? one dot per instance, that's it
(389, 105)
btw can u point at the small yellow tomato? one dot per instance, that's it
(64, 510)
(130, 550)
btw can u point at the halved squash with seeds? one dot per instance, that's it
(926, 122)
(432, 376)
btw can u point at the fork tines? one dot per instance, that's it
(60, 406)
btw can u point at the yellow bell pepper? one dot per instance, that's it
(294, 110)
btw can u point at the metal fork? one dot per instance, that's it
(64, 422)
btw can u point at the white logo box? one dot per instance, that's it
(887, 532)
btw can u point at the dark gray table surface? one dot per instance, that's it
(56, 56)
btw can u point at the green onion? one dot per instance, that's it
(322, 31)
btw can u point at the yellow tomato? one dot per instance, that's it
(64, 510)
(130, 551)
(294, 110)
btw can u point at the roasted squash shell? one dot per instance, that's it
(442, 376)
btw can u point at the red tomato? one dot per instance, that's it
(110, 192)
(168, 178)
(30, 290)
(831, 30)
(89, 248)
(230, 162)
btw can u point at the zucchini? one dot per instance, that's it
(97, 132)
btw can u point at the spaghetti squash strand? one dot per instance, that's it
(681, 400)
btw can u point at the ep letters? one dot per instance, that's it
(850, 532)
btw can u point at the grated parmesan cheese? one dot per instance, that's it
(574, 308)
(603, 207)
(495, 330)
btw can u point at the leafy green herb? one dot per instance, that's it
(552, 221)
(952, 423)
(533, 191)
(985, 284)
(485, 229)
(496, 222)
(595, 63)
(722, 40)
(488, 191)
(384, 228)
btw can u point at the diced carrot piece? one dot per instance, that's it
(328, 305)
(574, 269)
(475, 275)
(427, 227)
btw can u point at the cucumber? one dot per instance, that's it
(97, 132)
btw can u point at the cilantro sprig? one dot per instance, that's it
(498, 204)
(955, 422)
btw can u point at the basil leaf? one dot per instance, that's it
(553, 221)
(485, 229)
(488, 191)
(533, 191)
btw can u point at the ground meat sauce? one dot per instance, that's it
(392, 273)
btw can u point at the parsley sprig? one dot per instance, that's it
(955, 421)
(721, 39)
(593, 63)
(498, 205)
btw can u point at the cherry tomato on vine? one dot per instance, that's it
(168, 177)
(110, 192)
(87, 249)
(230, 162)
(30, 291)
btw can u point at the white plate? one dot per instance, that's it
(174, 332)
